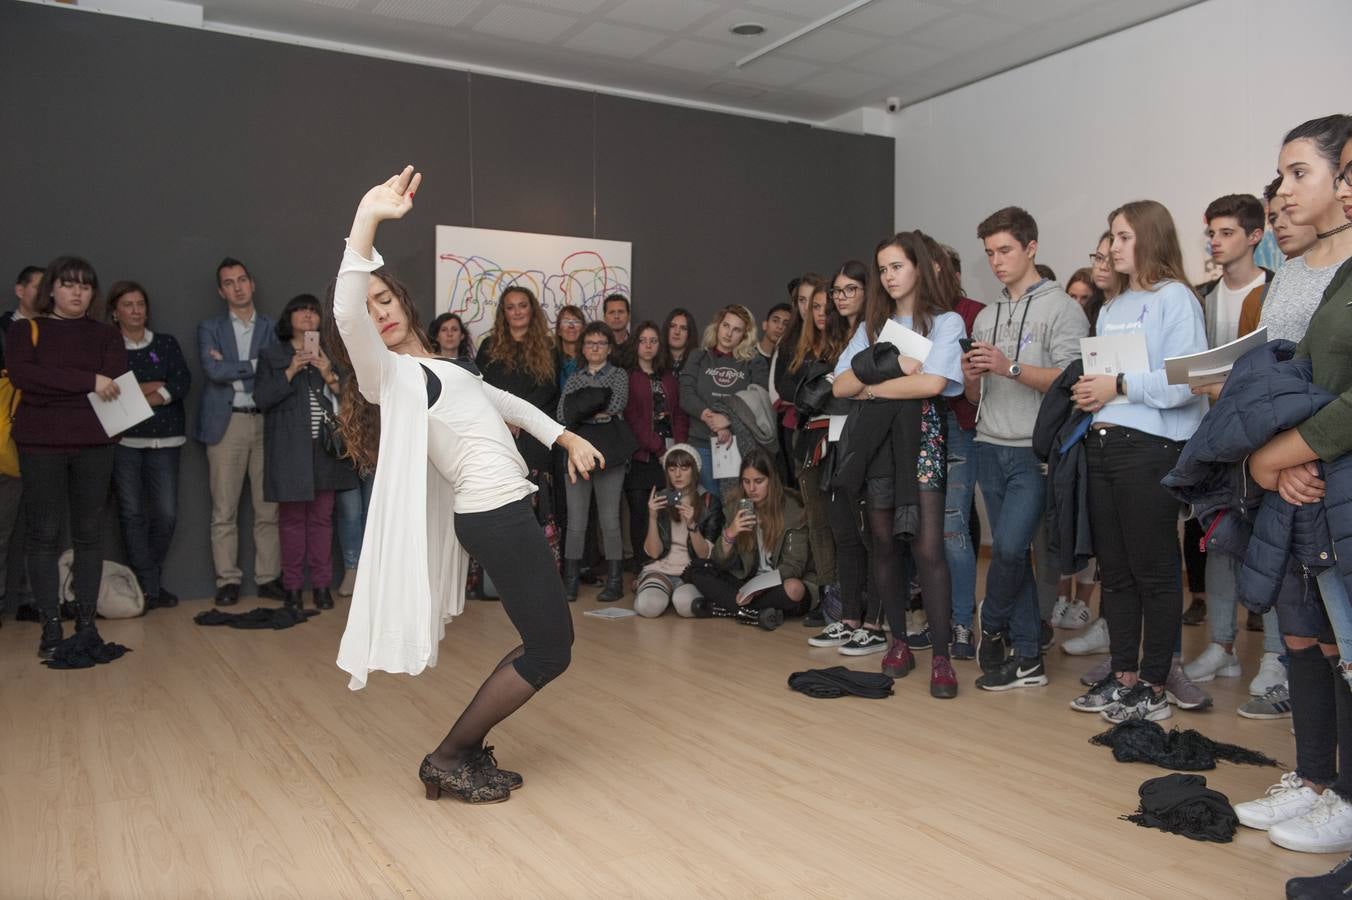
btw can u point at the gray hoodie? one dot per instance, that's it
(1050, 337)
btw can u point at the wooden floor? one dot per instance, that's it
(670, 761)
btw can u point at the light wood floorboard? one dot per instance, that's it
(670, 761)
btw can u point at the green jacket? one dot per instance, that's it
(791, 557)
(1326, 343)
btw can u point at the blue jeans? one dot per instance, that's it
(958, 547)
(706, 466)
(1333, 591)
(147, 504)
(1013, 486)
(349, 520)
(1222, 588)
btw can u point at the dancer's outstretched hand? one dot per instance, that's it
(391, 199)
(582, 456)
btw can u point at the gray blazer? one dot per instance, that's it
(218, 392)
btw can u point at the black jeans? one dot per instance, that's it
(510, 545)
(720, 588)
(1134, 523)
(844, 513)
(147, 505)
(642, 477)
(53, 482)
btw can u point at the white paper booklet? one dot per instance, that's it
(610, 612)
(762, 582)
(1114, 354)
(908, 343)
(1212, 366)
(129, 408)
(727, 460)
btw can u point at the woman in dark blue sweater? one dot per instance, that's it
(145, 460)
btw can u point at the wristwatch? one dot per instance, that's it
(1014, 370)
(1122, 384)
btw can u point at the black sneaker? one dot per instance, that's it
(920, 641)
(1103, 694)
(993, 650)
(864, 641)
(1141, 702)
(746, 616)
(1195, 614)
(1336, 882)
(1048, 635)
(1015, 672)
(962, 643)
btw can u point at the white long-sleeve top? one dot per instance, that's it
(457, 456)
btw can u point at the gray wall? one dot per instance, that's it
(155, 150)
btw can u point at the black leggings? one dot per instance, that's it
(927, 552)
(851, 560)
(720, 588)
(510, 545)
(52, 484)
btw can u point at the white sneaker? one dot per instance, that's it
(1077, 615)
(1287, 799)
(1093, 640)
(1271, 673)
(1326, 828)
(1212, 662)
(1059, 610)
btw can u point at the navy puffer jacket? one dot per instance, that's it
(1267, 393)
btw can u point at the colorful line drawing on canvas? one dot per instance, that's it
(475, 265)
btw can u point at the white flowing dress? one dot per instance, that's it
(457, 456)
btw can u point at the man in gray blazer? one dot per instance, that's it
(231, 426)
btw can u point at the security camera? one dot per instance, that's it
(893, 104)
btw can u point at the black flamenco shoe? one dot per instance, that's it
(468, 781)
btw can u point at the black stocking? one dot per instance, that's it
(885, 569)
(936, 589)
(501, 694)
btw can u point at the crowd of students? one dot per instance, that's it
(821, 465)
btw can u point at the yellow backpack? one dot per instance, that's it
(9, 405)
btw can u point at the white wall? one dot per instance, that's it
(1180, 110)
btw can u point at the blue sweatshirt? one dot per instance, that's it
(1171, 319)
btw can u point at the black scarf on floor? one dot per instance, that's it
(1183, 804)
(1139, 740)
(84, 650)
(838, 681)
(270, 617)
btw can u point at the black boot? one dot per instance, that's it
(51, 636)
(323, 598)
(294, 600)
(614, 588)
(572, 571)
(84, 618)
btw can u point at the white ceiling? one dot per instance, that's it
(911, 49)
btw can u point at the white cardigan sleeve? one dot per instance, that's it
(372, 362)
(518, 412)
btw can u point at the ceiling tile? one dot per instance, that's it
(831, 45)
(962, 32)
(615, 40)
(663, 14)
(845, 84)
(335, 4)
(809, 10)
(732, 89)
(893, 18)
(776, 71)
(523, 23)
(899, 60)
(696, 56)
(432, 12)
(576, 7)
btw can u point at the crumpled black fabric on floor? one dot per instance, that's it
(838, 681)
(1139, 740)
(1183, 804)
(84, 650)
(272, 617)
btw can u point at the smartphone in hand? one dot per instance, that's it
(965, 344)
(310, 343)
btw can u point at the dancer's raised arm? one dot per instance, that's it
(389, 200)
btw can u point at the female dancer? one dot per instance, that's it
(445, 448)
